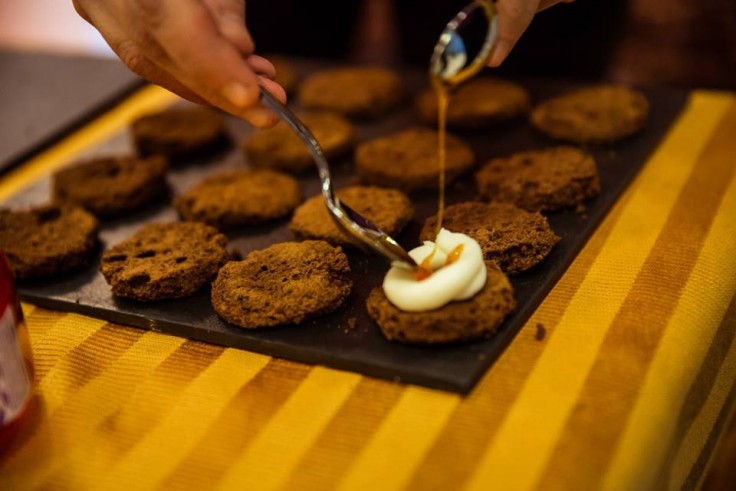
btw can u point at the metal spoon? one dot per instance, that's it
(465, 44)
(351, 221)
(462, 50)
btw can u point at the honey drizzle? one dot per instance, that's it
(454, 255)
(424, 270)
(443, 100)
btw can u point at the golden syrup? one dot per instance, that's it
(443, 101)
(424, 270)
(442, 90)
(443, 87)
(454, 255)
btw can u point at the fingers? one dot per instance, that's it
(514, 16)
(135, 57)
(275, 89)
(81, 11)
(548, 3)
(229, 17)
(261, 66)
(262, 114)
(198, 49)
(214, 69)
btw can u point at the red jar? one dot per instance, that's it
(15, 357)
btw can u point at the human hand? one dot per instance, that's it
(198, 49)
(514, 16)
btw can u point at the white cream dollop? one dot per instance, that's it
(459, 280)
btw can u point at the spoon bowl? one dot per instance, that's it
(465, 44)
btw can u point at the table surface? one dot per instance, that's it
(31, 84)
(629, 386)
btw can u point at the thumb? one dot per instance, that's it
(229, 17)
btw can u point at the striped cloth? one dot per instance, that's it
(629, 389)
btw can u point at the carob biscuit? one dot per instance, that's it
(280, 148)
(179, 133)
(540, 179)
(283, 284)
(477, 317)
(513, 238)
(408, 160)
(389, 209)
(601, 114)
(111, 186)
(164, 260)
(477, 104)
(47, 240)
(240, 197)
(359, 92)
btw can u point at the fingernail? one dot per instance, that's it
(237, 94)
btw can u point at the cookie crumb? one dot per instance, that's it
(352, 322)
(541, 332)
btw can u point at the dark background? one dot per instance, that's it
(680, 43)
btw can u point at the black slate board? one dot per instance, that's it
(44, 97)
(347, 339)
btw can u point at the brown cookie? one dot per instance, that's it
(513, 238)
(601, 114)
(476, 104)
(283, 284)
(477, 317)
(390, 209)
(47, 240)
(355, 92)
(540, 180)
(408, 160)
(280, 148)
(164, 260)
(179, 133)
(112, 186)
(240, 197)
(285, 74)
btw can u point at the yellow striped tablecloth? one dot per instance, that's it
(629, 389)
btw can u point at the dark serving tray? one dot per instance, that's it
(45, 97)
(347, 338)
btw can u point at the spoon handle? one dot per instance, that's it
(303, 132)
(354, 223)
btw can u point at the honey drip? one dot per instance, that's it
(424, 270)
(454, 255)
(443, 100)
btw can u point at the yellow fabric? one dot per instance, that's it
(627, 390)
